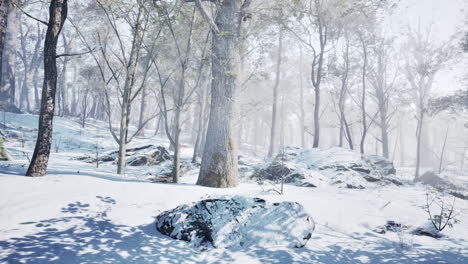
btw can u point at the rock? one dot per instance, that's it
(308, 184)
(459, 195)
(3, 152)
(391, 226)
(426, 232)
(371, 179)
(275, 171)
(358, 187)
(337, 166)
(238, 222)
(8, 107)
(395, 226)
(380, 164)
(149, 155)
(434, 180)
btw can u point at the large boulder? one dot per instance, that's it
(238, 222)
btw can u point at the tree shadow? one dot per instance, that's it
(91, 237)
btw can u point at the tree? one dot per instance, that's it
(424, 59)
(382, 78)
(125, 71)
(219, 163)
(4, 7)
(275, 93)
(8, 73)
(57, 16)
(184, 55)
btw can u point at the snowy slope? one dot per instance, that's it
(80, 214)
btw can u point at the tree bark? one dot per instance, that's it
(317, 72)
(301, 103)
(219, 165)
(419, 130)
(9, 57)
(274, 110)
(363, 96)
(4, 8)
(57, 16)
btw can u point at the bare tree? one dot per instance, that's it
(57, 16)
(383, 78)
(424, 59)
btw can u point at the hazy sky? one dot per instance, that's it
(444, 17)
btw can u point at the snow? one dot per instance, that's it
(81, 214)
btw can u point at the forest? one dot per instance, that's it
(233, 131)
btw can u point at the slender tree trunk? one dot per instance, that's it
(202, 103)
(419, 130)
(363, 97)
(177, 117)
(4, 8)
(316, 77)
(74, 103)
(141, 119)
(40, 158)
(274, 111)
(127, 92)
(384, 131)
(219, 165)
(301, 103)
(442, 152)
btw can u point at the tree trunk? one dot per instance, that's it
(419, 130)
(301, 103)
(363, 97)
(127, 92)
(219, 165)
(274, 111)
(9, 57)
(4, 8)
(141, 119)
(316, 77)
(202, 104)
(40, 158)
(384, 131)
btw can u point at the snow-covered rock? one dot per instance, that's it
(148, 155)
(433, 179)
(336, 166)
(238, 222)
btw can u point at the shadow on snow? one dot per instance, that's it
(85, 236)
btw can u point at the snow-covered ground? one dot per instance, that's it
(81, 214)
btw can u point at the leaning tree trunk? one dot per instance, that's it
(40, 158)
(219, 163)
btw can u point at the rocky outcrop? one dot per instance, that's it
(336, 165)
(148, 155)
